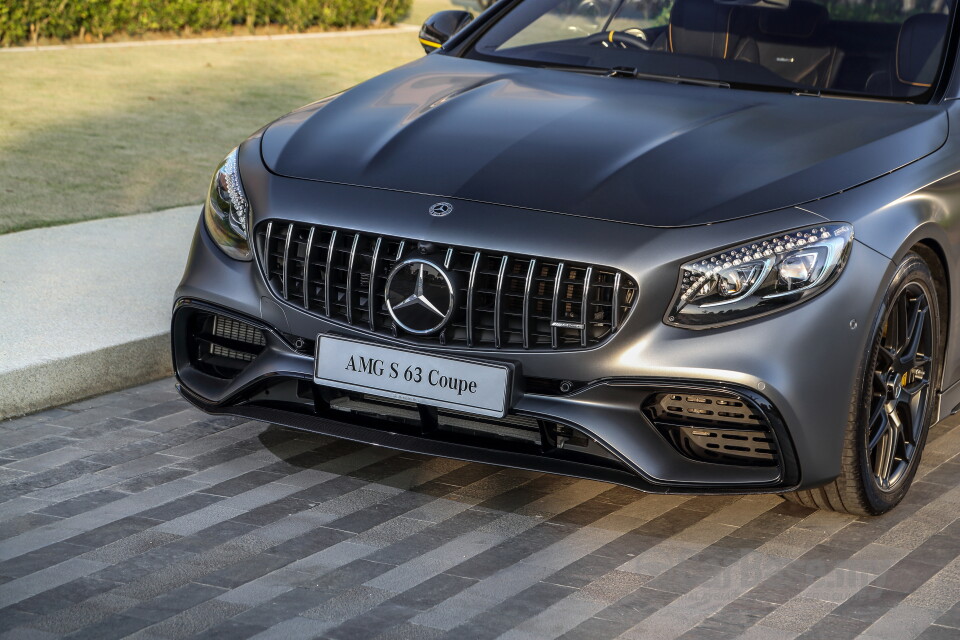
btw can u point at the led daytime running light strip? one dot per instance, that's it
(237, 198)
(710, 267)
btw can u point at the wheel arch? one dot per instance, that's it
(935, 256)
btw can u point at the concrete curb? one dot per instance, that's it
(58, 382)
(85, 308)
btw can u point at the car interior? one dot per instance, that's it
(802, 44)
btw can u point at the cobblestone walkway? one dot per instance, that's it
(134, 515)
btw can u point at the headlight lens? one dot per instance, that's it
(759, 277)
(227, 212)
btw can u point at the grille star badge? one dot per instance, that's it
(420, 296)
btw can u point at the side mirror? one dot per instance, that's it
(441, 26)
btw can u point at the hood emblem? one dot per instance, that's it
(441, 209)
(420, 296)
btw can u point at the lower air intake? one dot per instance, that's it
(223, 346)
(714, 428)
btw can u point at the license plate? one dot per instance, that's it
(439, 381)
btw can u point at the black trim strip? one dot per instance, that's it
(413, 444)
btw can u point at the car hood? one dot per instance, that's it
(625, 150)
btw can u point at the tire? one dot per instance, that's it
(891, 412)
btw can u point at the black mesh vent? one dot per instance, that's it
(221, 346)
(505, 301)
(714, 428)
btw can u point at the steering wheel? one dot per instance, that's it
(629, 39)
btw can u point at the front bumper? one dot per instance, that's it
(597, 431)
(798, 368)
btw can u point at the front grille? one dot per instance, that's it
(504, 301)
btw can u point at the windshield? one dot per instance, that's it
(876, 48)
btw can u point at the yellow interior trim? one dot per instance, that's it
(611, 36)
(726, 43)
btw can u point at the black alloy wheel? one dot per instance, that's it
(901, 396)
(891, 414)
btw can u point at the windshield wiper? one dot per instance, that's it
(841, 95)
(631, 72)
(590, 71)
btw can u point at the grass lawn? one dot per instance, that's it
(92, 133)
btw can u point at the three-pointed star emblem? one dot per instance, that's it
(417, 297)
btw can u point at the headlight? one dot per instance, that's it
(227, 212)
(760, 277)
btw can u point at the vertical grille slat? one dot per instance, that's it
(555, 307)
(528, 283)
(306, 269)
(471, 288)
(267, 252)
(505, 301)
(585, 306)
(328, 274)
(286, 262)
(349, 297)
(615, 311)
(498, 303)
(371, 308)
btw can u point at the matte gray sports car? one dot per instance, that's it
(712, 247)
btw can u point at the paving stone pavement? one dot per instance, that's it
(134, 515)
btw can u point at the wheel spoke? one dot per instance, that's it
(914, 400)
(914, 333)
(880, 381)
(916, 387)
(879, 424)
(885, 357)
(898, 321)
(884, 457)
(896, 424)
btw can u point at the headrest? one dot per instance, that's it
(919, 48)
(800, 20)
(700, 28)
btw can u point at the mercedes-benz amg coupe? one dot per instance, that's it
(700, 247)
